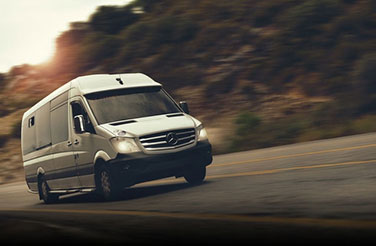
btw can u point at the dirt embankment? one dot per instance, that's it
(11, 169)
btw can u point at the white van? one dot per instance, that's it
(107, 132)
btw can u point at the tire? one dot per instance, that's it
(195, 175)
(44, 192)
(106, 187)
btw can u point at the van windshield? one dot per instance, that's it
(111, 106)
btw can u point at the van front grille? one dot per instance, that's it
(168, 140)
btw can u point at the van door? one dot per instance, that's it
(64, 175)
(84, 144)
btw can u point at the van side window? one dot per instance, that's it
(28, 133)
(31, 122)
(59, 124)
(77, 109)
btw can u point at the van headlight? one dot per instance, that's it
(124, 145)
(202, 134)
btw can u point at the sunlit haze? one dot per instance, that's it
(29, 28)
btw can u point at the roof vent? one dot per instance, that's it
(120, 81)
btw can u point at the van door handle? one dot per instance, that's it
(69, 143)
(76, 142)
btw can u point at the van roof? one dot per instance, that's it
(98, 82)
(104, 82)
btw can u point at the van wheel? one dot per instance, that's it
(44, 192)
(195, 175)
(106, 186)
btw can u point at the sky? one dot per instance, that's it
(28, 28)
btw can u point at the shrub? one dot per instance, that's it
(220, 87)
(172, 29)
(146, 5)
(303, 20)
(96, 48)
(144, 39)
(16, 129)
(112, 19)
(365, 73)
(364, 124)
(2, 80)
(3, 140)
(245, 122)
(266, 11)
(3, 110)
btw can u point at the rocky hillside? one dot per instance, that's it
(258, 73)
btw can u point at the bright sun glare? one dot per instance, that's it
(29, 28)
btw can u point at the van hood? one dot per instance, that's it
(153, 124)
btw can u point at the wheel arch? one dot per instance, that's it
(100, 160)
(101, 155)
(40, 172)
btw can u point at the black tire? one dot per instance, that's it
(44, 192)
(106, 187)
(195, 175)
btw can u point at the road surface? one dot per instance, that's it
(321, 191)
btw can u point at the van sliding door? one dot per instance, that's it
(65, 173)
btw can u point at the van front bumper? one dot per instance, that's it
(131, 169)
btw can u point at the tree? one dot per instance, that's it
(112, 19)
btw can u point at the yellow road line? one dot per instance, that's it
(361, 224)
(261, 172)
(344, 223)
(292, 155)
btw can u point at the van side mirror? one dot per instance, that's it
(79, 123)
(184, 106)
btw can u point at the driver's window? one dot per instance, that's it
(77, 109)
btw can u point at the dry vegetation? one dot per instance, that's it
(257, 73)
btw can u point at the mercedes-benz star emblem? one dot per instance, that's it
(172, 139)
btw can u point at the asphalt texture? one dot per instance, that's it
(308, 193)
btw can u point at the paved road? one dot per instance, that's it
(310, 192)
